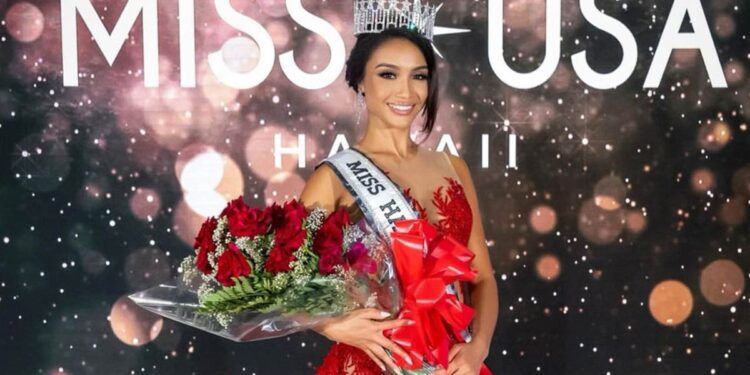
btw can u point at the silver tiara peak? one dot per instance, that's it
(374, 16)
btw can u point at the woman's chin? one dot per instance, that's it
(401, 122)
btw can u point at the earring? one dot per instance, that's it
(360, 104)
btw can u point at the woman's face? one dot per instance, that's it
(395, 83)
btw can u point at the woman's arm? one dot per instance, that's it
(361, 328)
(321, 190)
(484, 296)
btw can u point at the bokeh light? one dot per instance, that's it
(273, 8)
(635, 221)
(702, 180)
(241, 54)
(670, 302)
(609, 193)
(218, 94)
(199, 168)
(714, 135)
(24, 21)
(733, 211)
(282, 187)
(133, 325)
(598, 225)
(722, 282)
(548, 267)
(186, 222)
(208, 179)
(543, 219)
(145, 203)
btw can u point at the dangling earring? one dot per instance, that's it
(360, 104)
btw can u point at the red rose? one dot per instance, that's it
(231, 263)
(204, 244)
(279, 259)
(329, 239)
(245, 221)
(289, 235)
(327, 263)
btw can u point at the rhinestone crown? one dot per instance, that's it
(374, 16)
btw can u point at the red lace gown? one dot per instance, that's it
(456, 221)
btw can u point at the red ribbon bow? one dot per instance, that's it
(439, 317)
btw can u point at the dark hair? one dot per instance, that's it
(367, 43)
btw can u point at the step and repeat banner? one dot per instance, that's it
(608, 143)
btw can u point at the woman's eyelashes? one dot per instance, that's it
(391, 75)
(387, 75)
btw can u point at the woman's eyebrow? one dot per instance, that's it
(386, 65)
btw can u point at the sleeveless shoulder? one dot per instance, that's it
(322, 189)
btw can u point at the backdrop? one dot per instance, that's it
(608, 143)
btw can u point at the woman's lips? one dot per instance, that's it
(401, 109)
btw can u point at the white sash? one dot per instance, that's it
(380, 200)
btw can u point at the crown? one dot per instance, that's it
(374, 16)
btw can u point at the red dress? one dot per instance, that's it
(456, 221)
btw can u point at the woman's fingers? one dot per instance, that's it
(374, 314)
(454, 350)
(393, 348)
(389, 324)
(380, 352)
(375, 358)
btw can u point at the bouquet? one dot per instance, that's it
(262, 273)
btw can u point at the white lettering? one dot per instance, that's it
(187, 43)
(110, 44)
(278, 150)
(624, 37)
(339, 144)
(672, 38)
(495, 47)
(250, 27)
(312, 81)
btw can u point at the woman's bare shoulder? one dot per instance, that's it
(458, 164)
(322, 189)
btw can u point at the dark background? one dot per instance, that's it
(77, 165)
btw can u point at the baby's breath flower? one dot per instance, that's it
(223, 318)
(280, 281)
(187, 268)
(221, 229)
(314, 219)
(352, 234)
(204, 290)
(371, 241)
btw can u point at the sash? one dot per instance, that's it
(379, 198)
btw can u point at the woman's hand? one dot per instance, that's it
(364, 329)
(466, 359)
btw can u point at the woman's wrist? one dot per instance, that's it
(482, 344)
(323, 327)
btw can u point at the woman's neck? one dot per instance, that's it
(395, 142)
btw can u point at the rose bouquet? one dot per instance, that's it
(264, 273)
(261, 273)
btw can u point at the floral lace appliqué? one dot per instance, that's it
(452, 206)
(345, 359)
(456, 221)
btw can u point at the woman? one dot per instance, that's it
(395, 72)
